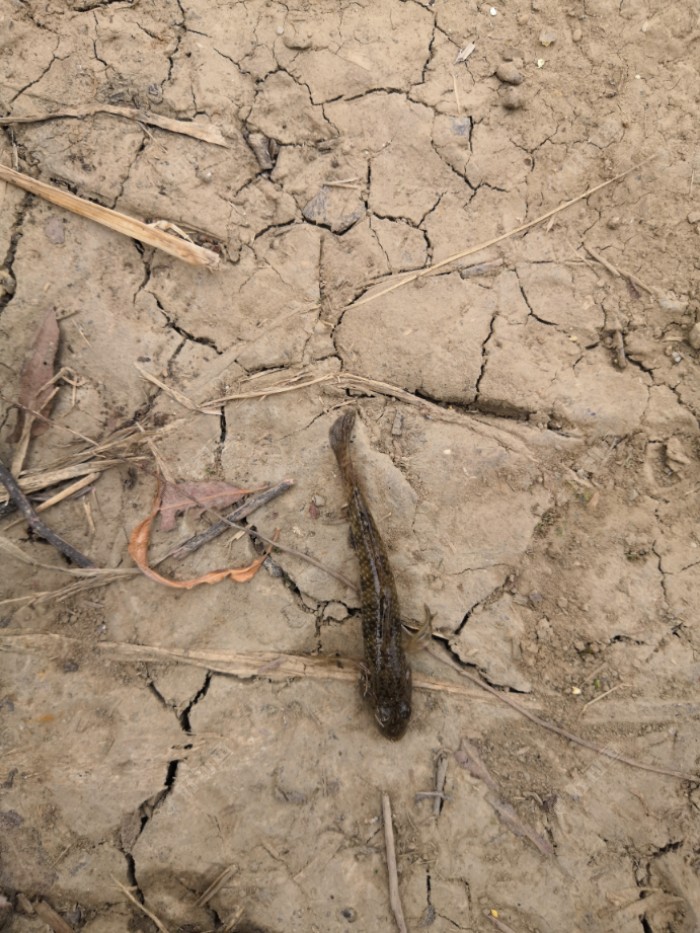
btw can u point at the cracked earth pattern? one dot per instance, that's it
(545, 510)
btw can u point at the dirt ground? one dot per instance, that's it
(528, 435)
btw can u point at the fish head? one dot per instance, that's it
(392, 718)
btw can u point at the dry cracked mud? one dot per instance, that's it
(528, 434)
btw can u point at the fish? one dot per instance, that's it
(386, 673)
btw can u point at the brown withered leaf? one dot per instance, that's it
(38, 370)
(215, 494)
(138, 551)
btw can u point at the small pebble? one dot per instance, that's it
(397, 426)
(613, 222)
(577, 35)
(694, 217)
(548, 37)
(694, 337)
(676, 457)
(54, 231)
(509, 74)
(337, 612)
(513, 99)
(672, 304)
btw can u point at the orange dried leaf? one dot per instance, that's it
(35, 392)
(179, 497)
(138, 551)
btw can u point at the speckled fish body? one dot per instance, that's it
(387, 673)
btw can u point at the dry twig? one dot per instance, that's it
(175, 394)
(621, 273)
(207, 134)
(498, 239)
(52, 920)
(440, 777)
(121, 223)
(253, 502)
(34, 482)
(216, 885)
(499, 924)
(569, 736)
(65, 493)
(602, 696)
(36, 524)
(280, 666)
(394, 895)
(467, 756)
(345, 380)
(151, 916)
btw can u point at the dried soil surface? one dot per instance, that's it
(531, 458)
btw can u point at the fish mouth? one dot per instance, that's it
(393, 722)
(394, 731)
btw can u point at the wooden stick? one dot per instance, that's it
(151, 236)
(207, 134)
(251, 503)
(499, 924)
(52, 920)
(602, 696)
(621, 273)
(65, 493)
(215, 886)
(36, 524)
(275, 665)
(394, 896)
(175, 394)
(440, 777)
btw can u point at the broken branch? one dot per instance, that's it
(35, 523)
(121, 223)
(394, 895)
(207, 134)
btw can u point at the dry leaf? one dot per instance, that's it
(179, 497)
(35, 392)
(138, 551)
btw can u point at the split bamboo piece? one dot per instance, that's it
(145, 233)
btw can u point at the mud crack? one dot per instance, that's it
(7, 276)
